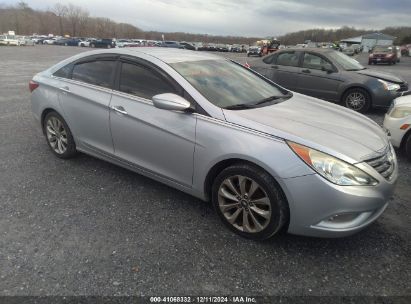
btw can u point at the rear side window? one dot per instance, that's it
(269, 59)
(64, 72)
(95, 72)
(288, 59)
(143, 82)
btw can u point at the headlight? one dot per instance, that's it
(400, 112)
(331, 168)
(389, 86)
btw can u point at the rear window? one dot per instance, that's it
(64, 72)
(95, 72)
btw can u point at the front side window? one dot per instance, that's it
(143, 82)
(315, 62)
(288, 59)
(226, 84)
(95, 72)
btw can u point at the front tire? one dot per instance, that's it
(249, 201)
(58, 136)
(357, 99)
(407, 146)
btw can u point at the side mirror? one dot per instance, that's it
(170, 101)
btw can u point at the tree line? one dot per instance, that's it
(402, 33)
(75, 21)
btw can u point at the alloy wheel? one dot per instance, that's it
(244, 204)
(56, 135)
(355, 101)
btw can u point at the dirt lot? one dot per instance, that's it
(86, 227)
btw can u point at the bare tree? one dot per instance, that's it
(83, 21)
(60, 10)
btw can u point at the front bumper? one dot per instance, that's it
(392, 125)
(381, 60)
(313, 201)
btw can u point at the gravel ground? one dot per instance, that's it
(86, 227)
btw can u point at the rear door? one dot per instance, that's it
(85, 99)
(319, 77)
(158, 141)
(284, 69)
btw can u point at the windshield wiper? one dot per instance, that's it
(239, 106)
(252, 105)
(271, 98)
(356, 69)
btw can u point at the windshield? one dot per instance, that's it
(382, 49)
(225, 83)
(347, 63)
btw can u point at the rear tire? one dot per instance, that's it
(58, 136)
(249, 201)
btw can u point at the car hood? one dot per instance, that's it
(381, 75)
(318, 124)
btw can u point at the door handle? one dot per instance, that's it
(65, 89)
(275, 67)
(306, 71)
(119, 109)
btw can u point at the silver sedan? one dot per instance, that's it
(269, 159)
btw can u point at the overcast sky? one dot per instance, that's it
(257, 18)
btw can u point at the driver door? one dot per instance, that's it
(319, 78)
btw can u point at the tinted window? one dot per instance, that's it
(287, 58)
(95, 72)
(64, 72)
(269, 59)
(315, 62)
(142, 82)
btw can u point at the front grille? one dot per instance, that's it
(403, 87)
(383, 164)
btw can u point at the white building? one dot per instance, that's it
(368, 41)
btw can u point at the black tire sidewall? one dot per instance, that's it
(367, 104)
(407, 146)
(279, 206)
(71, 145)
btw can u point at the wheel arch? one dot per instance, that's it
(225, 163)
(43, 116)
(221, 165)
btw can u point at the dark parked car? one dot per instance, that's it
(67, 41)
(331, 75)
(212, 47)
(383, 54)
(188, 46)
(255, 50)
(236, 48)
(103, 43)
(172, 44)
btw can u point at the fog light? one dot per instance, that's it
(344, 220)
(341, 218)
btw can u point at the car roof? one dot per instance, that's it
(318, 50)
(167, 55)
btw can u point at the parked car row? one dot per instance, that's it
(15, 40)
